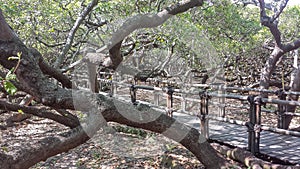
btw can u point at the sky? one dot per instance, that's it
(290, 3)
(294, 2)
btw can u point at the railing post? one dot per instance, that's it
(133, 94)
(101, 85)
(156, 98)
(183, 102)
(114, 78)
(170, 101)
(222, 106)
(203, 113)
(281, 111)
(254, 124)
(112, 88)
(100, 82)
(257, 127)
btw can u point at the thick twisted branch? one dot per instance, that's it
(145, 21)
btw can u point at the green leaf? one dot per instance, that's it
(5, 149)
(10, 75)
(20, 111)
(13, 58)
(10, 88)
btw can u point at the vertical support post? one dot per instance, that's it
(203, 114)
(183, 102)
(222, 106)
(113, 86)
(191, 77)
(133, 94)
(254, 124)
(250, 124)
(114, 78)
(257, 126)
(281, 111)
(112, 92)
(156, 93)
(156, 98)
(170, 101)
(101, 84)
(100, 81)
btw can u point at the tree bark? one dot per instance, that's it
(144, 21)
(269, 67)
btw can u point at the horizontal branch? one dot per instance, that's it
(44, 149)
(292, 46)
(145, 21)
(41, 112)
(49, 45)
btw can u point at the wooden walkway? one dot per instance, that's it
(284, 147)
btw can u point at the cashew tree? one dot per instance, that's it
(279, 50)
(57, 102)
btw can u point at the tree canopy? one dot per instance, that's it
(42, 42)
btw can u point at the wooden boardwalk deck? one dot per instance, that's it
(283, 147)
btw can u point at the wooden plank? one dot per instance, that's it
(276, 145)
(236, 136)
(283, 147)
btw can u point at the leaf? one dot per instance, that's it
(13, 58)
(11, 77)
(9, 87)
(5, 149)
(20, 111)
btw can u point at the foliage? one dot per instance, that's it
(289, 23)
(10, 76)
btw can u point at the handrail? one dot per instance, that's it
(212, 94)
(219, 86)
(168, 91)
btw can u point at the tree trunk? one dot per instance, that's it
(295, 86)
(269, 68)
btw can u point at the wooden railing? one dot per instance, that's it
(204, 95)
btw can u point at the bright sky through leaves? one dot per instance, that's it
(294, 2)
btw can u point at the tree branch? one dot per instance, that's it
(144, 21)
(47, 69)
(269, 23)
(72, 33)
(44, 149)
(292, 46)
(6, 34)
(277, 14)
(41, 112)
(49, 45)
